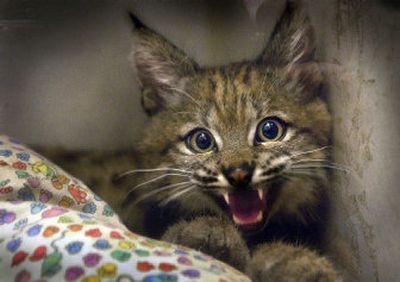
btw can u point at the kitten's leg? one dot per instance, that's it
(214, 236)
(282, 262)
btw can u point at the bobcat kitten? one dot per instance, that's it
(234, 158)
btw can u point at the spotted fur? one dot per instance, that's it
(181, 191)
(177, 193)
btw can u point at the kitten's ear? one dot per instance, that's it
(292, 41)
(161, 68)
(291, 48)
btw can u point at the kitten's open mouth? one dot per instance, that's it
(247, 208)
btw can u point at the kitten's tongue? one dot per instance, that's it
(247, 207)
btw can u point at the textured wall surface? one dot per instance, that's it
(365, 103)
(65, 80)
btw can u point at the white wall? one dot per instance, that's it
(64, 70)
(64, 76)
(65, 80)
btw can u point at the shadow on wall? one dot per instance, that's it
(391, 3)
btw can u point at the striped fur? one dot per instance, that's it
(181, 191)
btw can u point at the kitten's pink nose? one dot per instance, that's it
(239, 177)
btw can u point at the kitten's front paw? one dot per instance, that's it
(280, 262)
(213, 236)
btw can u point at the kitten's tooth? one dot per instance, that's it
(259, 216)
(260, 194)
(237, 220)
(226, 197)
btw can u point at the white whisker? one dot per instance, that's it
(177, 195)
(187, 95)
(302, 172)
(159, 190)
(310, 160)
(150, 170)
(321, 166)
(300, 153)
(324, 162)
(155, 179)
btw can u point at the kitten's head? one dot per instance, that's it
(247, 139)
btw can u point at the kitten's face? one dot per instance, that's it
(240, 136)
(247, 139)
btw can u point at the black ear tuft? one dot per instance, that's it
(136, 22)
(292, 40)
(161, 67)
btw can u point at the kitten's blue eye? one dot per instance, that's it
(203, 140)
(269, 129)
(200, 141)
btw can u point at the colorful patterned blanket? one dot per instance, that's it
(53, 228)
